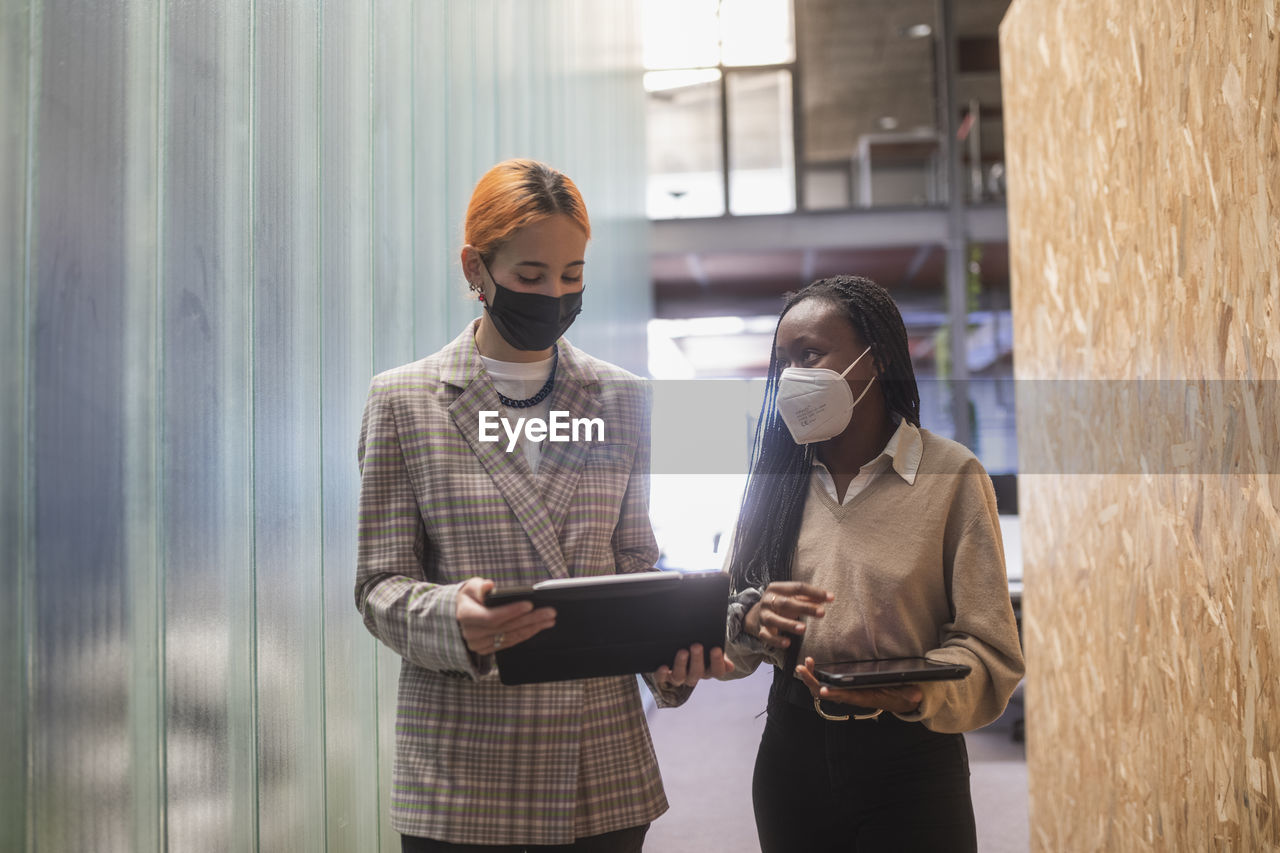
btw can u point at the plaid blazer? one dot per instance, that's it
(478, 762)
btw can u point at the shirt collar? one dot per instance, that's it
(904, 451)
(906, 447)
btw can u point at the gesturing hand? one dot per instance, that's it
(777, 611)
(487, 629)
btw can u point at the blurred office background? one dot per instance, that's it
(786, 142)
(789, 141)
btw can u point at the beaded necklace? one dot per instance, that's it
(542, 392)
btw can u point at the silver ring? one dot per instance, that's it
(497, 641)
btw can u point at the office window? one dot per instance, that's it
(761, 149)
(720, 99)
(756, 32)
(869, 110)
(686, 168)
(681, 33)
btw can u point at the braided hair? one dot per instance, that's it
(773, 505)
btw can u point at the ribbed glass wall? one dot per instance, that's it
(217, 222)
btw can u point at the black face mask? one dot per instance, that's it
(532, 321)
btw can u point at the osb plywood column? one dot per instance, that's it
(1143, 141)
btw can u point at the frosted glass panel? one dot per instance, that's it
(220, 222)
(286, 434)
(79, 633)
(346, 361)
(15, 492)
(206, 410)
(392, 162)
(436, 248)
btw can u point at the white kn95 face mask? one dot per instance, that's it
(815, 403)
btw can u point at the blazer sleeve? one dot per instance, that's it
(634, 547)
(414, 617)
(982, 632)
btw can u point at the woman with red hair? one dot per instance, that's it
(446, 513)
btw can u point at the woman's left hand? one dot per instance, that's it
(898, 700)
(688, 667)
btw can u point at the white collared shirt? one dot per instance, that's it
(902, 453)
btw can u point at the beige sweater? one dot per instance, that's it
(917, 568)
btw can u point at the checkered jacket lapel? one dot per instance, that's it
(576, 392)
(539, 504)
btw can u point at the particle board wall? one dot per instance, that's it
(1143, 144)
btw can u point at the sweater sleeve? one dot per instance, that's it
(413, 616)
(982, 633)
(746, 651)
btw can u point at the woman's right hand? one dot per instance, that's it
(779, 609)
(487, 629)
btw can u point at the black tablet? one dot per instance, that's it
(873, 673)
(615, 624)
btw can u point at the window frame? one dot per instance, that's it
(793, 69)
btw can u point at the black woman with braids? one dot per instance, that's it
(861, 536)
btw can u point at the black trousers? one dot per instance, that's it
(629, 840)
(862, 786)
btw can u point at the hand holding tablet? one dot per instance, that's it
(887, 684)
(619, 624)
(879, 672)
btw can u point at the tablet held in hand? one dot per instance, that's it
(615, 624)
(887, 671)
